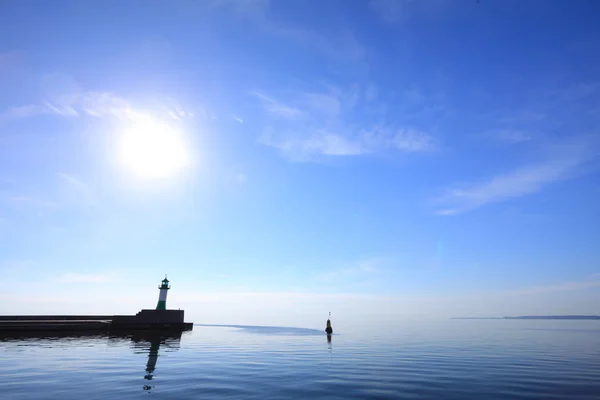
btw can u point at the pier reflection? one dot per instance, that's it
(150, 343)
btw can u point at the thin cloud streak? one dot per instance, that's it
(363, 268)
(277, 108)
(83, 193)
(85, 278)
(20, 112)
(561, 287)
(511, 136)
(31, 201)
(72, 180)
(93, 104)
(398, 11)
(520, 182)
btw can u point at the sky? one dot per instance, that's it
(381, 160)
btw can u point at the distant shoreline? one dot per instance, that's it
(560, 317)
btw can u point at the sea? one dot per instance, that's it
(453, 359)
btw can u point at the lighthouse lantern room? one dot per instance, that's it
(162, 297)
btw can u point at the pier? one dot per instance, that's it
(149, 319)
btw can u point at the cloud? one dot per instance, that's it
(359, 270)
(96, 104)
(64, 111)
(72, 180)
(327, 104)
(560, 287)
(241, 178)
(15, 267)
(509, 135)
(31, 201)
(410, 140)
(391, 11)
(10, 60)
(25, 111)
(395, 11)
(85, 278)
(341, 46)
(250, 9)
(323, 124)
(371, 93)
(238, 119)
(80, 190)
(569, 161)
(302, 147)
(102, 104)
(93, 104)
(277, 108)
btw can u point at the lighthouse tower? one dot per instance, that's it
(162, 297)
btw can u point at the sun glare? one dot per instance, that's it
(153, 150)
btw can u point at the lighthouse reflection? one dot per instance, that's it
(153, 344)
(150, 343)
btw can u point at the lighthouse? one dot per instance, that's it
(162, 297)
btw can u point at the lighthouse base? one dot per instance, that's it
(152, 319)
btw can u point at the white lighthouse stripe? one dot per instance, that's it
(163, 295)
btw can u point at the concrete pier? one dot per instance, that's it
(144, 320)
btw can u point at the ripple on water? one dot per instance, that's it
(237, 363)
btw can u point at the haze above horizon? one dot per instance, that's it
(378, 159)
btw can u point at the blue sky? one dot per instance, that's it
(283, 159)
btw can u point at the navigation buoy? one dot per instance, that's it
(329, 329)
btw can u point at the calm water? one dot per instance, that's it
(446, 360)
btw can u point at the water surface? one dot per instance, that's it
(451, 360)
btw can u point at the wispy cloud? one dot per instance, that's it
(241, 178)
(85, 278)
(93, 104)
(238, 119)
(278, 108)
(72, 180)
(102, 104)
(251, 9)
(358, 270)
(62, 110)
(564, 164)
(329, 105)
(371, 93)
(410, 140)
(25, 111)
(10, 60)
(31, 201)
(560, 287)
(394, 11)
(80, 190)
(341, 46)
(322, 124)
(391, 10)
(301, 146)
(509, 135)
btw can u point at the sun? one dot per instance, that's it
(152, 149)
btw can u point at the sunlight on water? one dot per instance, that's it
(456, 360)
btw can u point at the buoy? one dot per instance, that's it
(329, 329)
